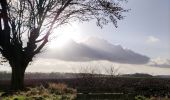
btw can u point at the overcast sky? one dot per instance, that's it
(140, 44)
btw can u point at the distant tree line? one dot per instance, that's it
(98, 83)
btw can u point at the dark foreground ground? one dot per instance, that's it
(100, 87)
(118, 85)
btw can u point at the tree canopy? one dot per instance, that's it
(27, 24)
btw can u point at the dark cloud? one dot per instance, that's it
(96, 49)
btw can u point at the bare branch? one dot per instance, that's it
(41, 46)
(37, 18)
(55, 18)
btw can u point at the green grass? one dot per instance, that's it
(52, 92)
(62, 92)
(54, 97)
(19, 97)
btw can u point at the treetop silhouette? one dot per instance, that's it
(27, 24)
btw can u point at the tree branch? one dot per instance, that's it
(53, 22)
(41, 46)
(34, 16)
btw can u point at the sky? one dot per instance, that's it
(140, 44)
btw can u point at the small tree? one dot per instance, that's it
(112, 71)
(27, 24)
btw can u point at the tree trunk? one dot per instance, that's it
(17, 78)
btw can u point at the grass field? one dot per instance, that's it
(52, 96)
(52, 92)
(93, 88)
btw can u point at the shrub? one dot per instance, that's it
(139, 97)
(57, 88)
(41, 90)
(60, 89)
(52, 92)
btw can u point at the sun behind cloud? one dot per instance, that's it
(64, 34)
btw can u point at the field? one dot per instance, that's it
(51, 92)
(106, 88)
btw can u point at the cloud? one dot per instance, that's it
(96, 49)
(152, 39)
(160, 62)
(49, 65)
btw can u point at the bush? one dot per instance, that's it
(52, 92)
(60, 89)
(37, 91)
(139, 97)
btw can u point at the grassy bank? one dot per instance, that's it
(51, 92)
(62, 92)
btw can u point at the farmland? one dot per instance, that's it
(90, 86)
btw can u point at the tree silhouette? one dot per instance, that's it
(27, 24)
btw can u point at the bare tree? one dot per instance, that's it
(89, 71)
(112, 71)
(27, 24)
(88, 76)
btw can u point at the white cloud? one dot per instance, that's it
(96, 49)
(5, 67)
(160, 62)
(152, 39)
(53, 65)
(48, 65)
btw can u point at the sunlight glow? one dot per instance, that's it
(64, 34)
